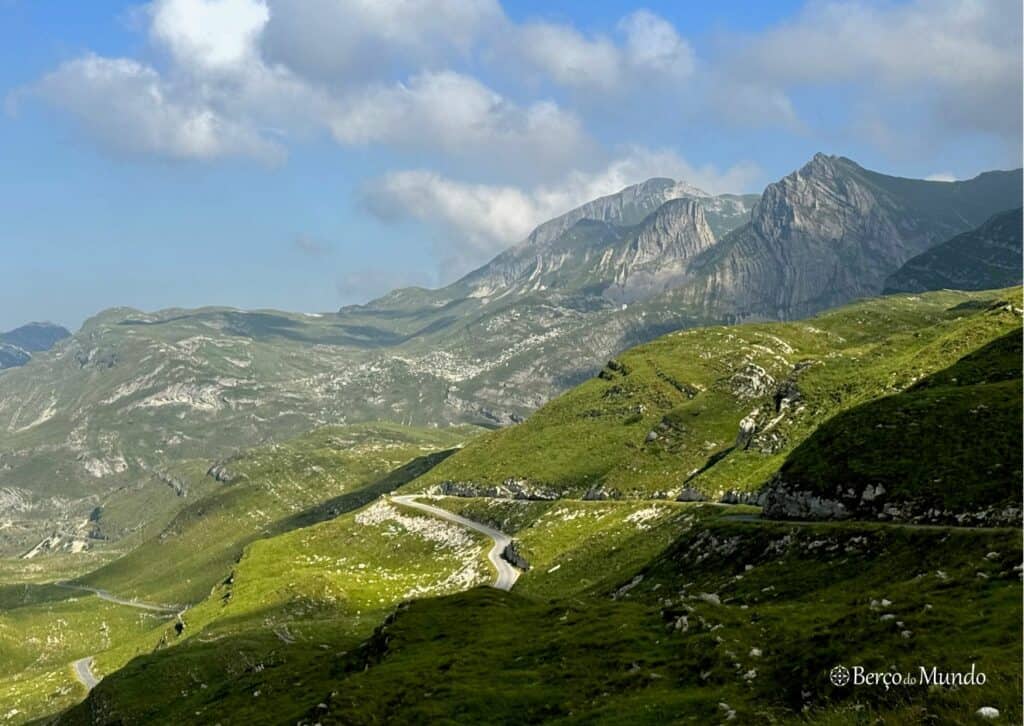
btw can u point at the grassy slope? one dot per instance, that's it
(286, 631)
(327, 586)
(42, 630)
(572, 644)
(275, 490)
(768, 610)
(923, 443)
(689, 388)
(574, 546)
(266, 637)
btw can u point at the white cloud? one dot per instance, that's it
(337, 40)
(458, 115)
(569, 58)
(130, 108)
(651, 50)
(653, 45)
(210, 35)
(220, 94)
(962, 57)
(476, 221)
(941, 176)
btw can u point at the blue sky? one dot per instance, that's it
(304, 155)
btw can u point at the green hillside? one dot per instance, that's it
(313, 597)
(734, 621)
(666, 416)
(265, 492)
(269, 491)
(946, 448)
(645, 619)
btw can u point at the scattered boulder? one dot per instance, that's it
(748, 427)
(599, 494)
(871, 493)
(220, 472)
(779, 502)
(514, 557)
(752, 381)
(733, 496)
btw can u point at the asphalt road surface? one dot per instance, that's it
(507, 574)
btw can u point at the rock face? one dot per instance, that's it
(833, 231)
(509, 489)
(619, 262)
(985, 258)
(781, 500)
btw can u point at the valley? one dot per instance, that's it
(671, 458)
(365, 571)
(101, 436)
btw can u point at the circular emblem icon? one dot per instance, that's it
(840, 676)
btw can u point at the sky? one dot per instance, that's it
(306, 154)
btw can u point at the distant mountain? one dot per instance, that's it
(17, 346)
(108, 418)
(35, 337)
(573, 252)
(833, 232)
(984, 258)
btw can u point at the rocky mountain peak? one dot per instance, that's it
(626, 207)
(823, 198)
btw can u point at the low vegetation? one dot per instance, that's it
(719, 409)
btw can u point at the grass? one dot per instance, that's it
(759, 640)
(666, 415)
(316, 600)
(574, 546)
(290, 605)
(922, 445)
(275, 489)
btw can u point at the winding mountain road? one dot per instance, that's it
(507, 574)
(83, 672)
(104, 595)
(83, 666)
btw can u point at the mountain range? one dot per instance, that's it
(980, 259)
(225, 516)
(94, 435)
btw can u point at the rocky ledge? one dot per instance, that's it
(508, 489)
(781, 501)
